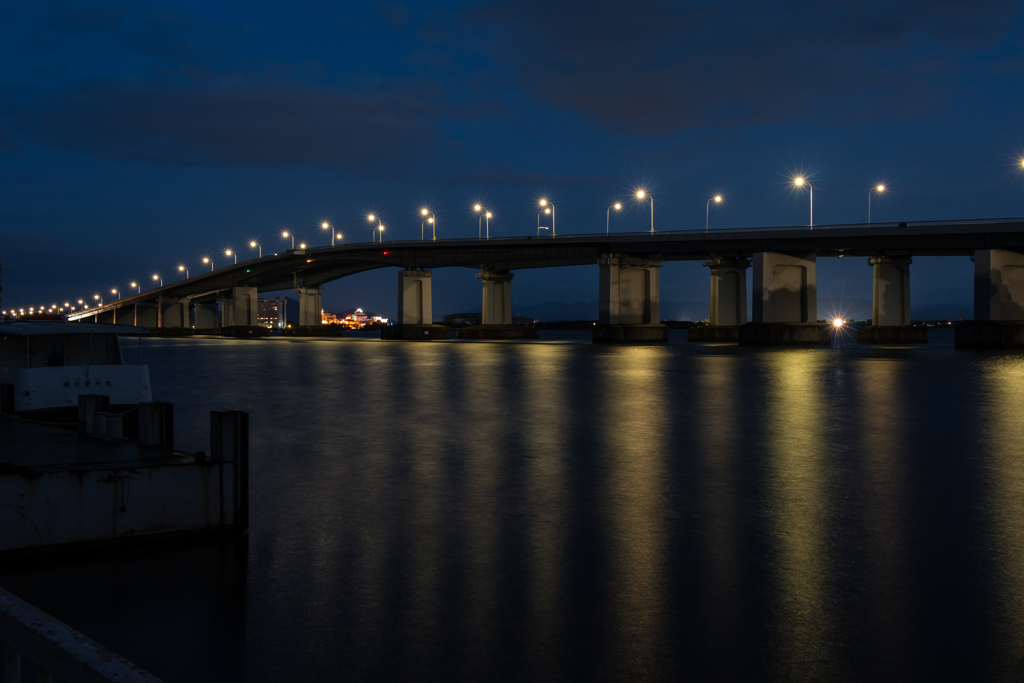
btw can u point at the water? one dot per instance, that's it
(562, 511)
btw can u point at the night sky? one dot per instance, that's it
(135, 137)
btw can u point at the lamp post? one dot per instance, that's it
(608, 216)
(879, 189)
(94, 296)
(286, 235)
(488, 223)
(380, 228)
(183, 269)
(373, 235)
(643, 196)
(539, 226)
(254, 245)
(327, 226)
(135, 285)
(717, 199)
(159, 279)
(479, 222)
(231, 253)
(433, 223)
(207, 259)
(118, 292)
(800, 182)
(545, 202)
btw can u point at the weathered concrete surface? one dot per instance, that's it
(628, 291)
(174, 313)
(728, 291)
(409, 332)
(998, 285)
(207, 316)
(989, 334)
(310, 306)
(415, 299)
(495, 331)
(890, 302)
(630, 334)
(497, 298)
(785, 334)
(710, 333)
(785, 288)
(240, 309)
(892, 335)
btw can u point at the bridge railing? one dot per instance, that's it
(57, 650)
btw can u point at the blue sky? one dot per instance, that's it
(135, 137)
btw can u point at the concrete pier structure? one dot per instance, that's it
(310, 306)
(728, 301)
(496, 314)
(239, 314)
(890, 305)
(174, 313)
(785, 302)
(998, 302)
(147, 315)
(207, 316)
(415, 309)
(629, 301)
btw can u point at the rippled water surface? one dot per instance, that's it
(556, 510)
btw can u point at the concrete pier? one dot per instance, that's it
(998, 302)
(147, 315)
(240, 308)
(890, 305)
(629, 301)
(310, 306)
(207, 316)
(415, 310)
(174, 313)
(496, 315)
(785, 302)
(728, 301)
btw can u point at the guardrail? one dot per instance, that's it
(57, 650)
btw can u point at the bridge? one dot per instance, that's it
(783, 261)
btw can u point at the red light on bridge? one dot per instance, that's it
(386, 253)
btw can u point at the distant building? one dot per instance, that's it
(271, 312)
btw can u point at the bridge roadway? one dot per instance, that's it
(313, 267)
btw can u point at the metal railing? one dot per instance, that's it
(57, 650)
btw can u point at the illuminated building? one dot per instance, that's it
(271, 312)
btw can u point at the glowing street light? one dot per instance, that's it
(837, 323)
(480, 221)
(327, 226)
(378, 228)
(717, 199)
(118, 292)
(643, 196)
(488, 223)
(254, 245)
(545, 202)
(539, 226)
(800, 182)
(94, 296)
(286, 235)
(231, 253)
(159, 279)
(879, 189)
(207, 259)
(608, 216)
(183, 269)
(134, 285)
(427, 212)
(302, 246)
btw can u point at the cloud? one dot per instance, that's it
(653, 67)
(237, 119)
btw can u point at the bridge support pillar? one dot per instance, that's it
(415, 310)
(785, 303)
(238, 314)
(147, 314)
(174, 315)
(207, 316)
(890, 305)
(630, 301)
(106, 317)
(310, 306)
(728, 301)
(998, 302)
(496, 313)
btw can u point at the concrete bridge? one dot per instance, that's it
(784, 306)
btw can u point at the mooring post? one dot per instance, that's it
(156, 424)
(229, 442)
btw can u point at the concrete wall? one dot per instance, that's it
(310, 306)
(241, 308)
(630, 292)
(147, 315)
(890, 304)
(728, 291)
(414, 298)
(497, 298)
(785, 288)
(174, 313)
(998, 285)
(207, 316)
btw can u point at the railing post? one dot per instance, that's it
(12, 665)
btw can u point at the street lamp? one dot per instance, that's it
(134, 285)
(425, 213)
(800, 182)
(327, 226)
(545, 202)
(231, 253)
(254, 245)
(480, 221)
(118, 292)
(608, 216)
(539, 226)
(373, 235)
(717, 199)
(183, 269)
(207, 259)
(302, 246)
(94, 296)
(642, 196)
(286, 236)
(488, 216)
(159, 279)
(381, 229)
(879, 189)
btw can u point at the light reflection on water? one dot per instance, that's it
(558, 511)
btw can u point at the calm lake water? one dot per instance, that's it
(556, 510)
